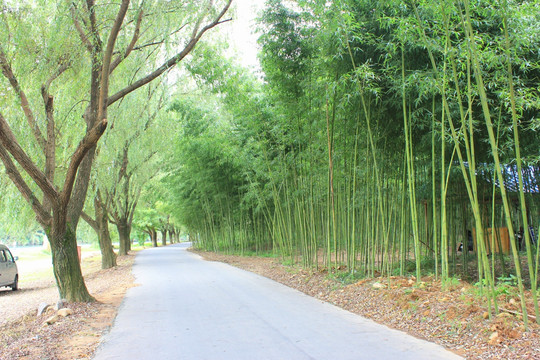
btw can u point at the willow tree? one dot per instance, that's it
(100, 224)
(130, 154)
(109, 46)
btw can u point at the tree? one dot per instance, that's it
(148, 221)
(100, 224)
(382, 130)
(136, 28)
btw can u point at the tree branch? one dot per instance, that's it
(154, 43)
(64, 65)
(85, 145)
(131, 45)
(93, 223)
(93, 23)
(48, 101)
(50, 145)
(149, 44)
(172, 61)
(145, 160)
(80, 30)
(133, 206)
(8, 73)
(9, 142)
(43, 217)
(107, 56)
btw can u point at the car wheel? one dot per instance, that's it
(15, 285)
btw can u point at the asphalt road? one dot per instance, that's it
(188, 308)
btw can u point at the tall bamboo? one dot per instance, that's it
(494, 150)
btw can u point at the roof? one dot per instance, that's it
(511, 179)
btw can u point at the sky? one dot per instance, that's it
(241, 31)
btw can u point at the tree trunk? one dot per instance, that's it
(153, 236)
(108, 257)
(80, 189)
(124, 232)
(67, 269)
(164, 237)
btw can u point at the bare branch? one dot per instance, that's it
(42, 215)
(8, 73)
(9, 142)
(131, 45)
(172, 61)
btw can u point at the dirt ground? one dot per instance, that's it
(76, 336)
(455, 318)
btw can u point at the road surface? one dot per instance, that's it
(188, 308)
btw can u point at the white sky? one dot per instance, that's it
(241, 31)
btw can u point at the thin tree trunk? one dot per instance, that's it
(164, 237)
(153, 236)
(124, 232)
(108, 257)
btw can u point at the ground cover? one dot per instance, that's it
(74, 337)
(455, 318)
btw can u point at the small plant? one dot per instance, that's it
(346, 277)
(510, 280)
(451, 283)
(442, 316)
(408, 291)
(506, 286)
(288, 262)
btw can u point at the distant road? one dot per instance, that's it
(188, 308)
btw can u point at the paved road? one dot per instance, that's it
(188, 308)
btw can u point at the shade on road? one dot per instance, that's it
(188, 308)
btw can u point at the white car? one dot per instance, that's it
(9, 275)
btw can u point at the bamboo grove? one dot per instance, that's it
(387, 138)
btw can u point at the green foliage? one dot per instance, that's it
(310, 162)
(451, 283)
(509, 280)
(346, 277)
(506, 286)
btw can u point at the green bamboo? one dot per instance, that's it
(434, 190)
(517, 150)
(410, 176)
(495, 153)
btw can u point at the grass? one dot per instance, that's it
(30, 253)
(41, 275)
(346, 278)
